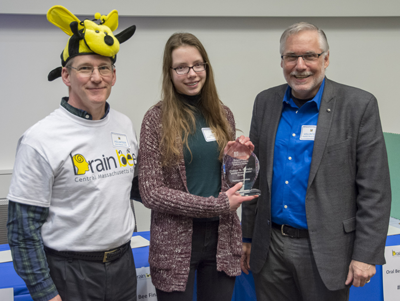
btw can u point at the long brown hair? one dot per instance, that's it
(178, 119)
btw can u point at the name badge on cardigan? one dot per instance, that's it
(208, 134)
(308, 132)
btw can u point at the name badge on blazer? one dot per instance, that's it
(308, 132)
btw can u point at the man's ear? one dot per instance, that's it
(326, 60)
(66, 78)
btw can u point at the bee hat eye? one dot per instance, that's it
(88, 36)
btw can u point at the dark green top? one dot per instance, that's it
(203, 168)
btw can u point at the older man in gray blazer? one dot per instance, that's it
(320, 223)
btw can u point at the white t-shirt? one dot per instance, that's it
(82, 170)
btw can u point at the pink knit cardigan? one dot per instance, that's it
(173, 208)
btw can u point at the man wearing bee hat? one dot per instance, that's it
(70, 220)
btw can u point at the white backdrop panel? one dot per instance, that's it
(244, 53)
(215, 8)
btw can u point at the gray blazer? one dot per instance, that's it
(348, 195)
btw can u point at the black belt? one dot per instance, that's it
(290, 231)
(105, 256)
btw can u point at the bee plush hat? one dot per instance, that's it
(87, 36)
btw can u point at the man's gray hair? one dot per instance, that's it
(68, 65)
(302, 26)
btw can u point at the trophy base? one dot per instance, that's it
(250, 192)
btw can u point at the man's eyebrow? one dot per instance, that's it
(85, 65)
(289, 53)
(294, 53)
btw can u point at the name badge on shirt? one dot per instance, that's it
(308, 132)
(119, 140)
(208, 134)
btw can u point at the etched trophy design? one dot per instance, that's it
(241, 165)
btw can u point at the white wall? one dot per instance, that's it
(244, 52)
(215, 8)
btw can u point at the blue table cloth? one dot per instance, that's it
(9, 278)
(244, 287)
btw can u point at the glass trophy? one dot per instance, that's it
(241, 165)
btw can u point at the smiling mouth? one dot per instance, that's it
(192, 84)
(301, 76)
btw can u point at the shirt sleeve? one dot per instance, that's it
(25, 240)
(32, 179)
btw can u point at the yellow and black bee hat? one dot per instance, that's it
(87, 36)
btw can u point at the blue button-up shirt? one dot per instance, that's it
(293, 151)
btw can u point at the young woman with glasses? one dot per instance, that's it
(194, 224)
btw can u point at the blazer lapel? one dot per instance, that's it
(326, 111)
(271, 122)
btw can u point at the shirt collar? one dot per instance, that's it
(81, 113)
(317, 98)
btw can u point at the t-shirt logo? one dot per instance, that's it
(80, 164)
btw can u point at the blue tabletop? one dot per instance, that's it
(9, 278)
(244, 287)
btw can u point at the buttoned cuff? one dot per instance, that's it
(43, 291)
